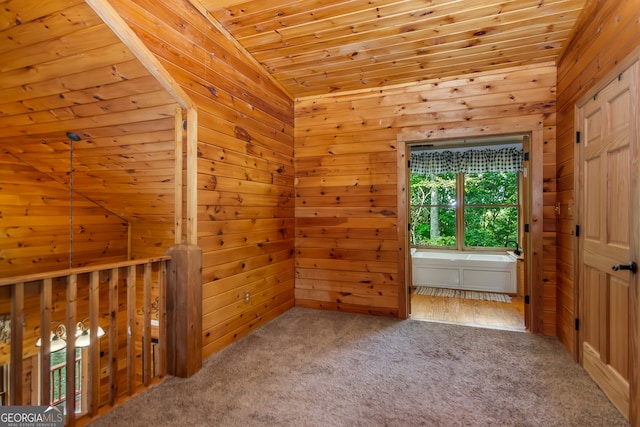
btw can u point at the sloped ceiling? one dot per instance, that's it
(63, 70)
(314, 47)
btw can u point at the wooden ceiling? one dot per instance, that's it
(314, 47)
(63, 69)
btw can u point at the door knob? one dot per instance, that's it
(632, 266)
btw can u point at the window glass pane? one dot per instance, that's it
(433, 226)
(433, 214)
(490, 227)
(491, 188)
(433, 189)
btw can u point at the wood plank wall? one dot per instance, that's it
(346, 178)
(63, 69)
(608, 32)
(245, 168)
(34, 224)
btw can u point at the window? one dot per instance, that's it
(464, 206)
(490, 209)
(58, 373)
(433, 210)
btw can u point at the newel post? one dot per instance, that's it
(184, 310)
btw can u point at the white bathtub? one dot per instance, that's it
(464, 270)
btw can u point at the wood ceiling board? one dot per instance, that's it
(17, 12)
(372, 24)
(62, 70)
(419, 44)
(49, 27)
(322, 46)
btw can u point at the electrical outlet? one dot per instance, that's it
(247, 297)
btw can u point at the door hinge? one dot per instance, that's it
(526, 157)
(408, 164)
(577, 324)
(526, 299)
(578, 137)
(408, 227)
(526, 228)
(577, 230)
(408, 290)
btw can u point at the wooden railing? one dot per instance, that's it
(85, 291)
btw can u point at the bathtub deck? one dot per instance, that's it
(489, 314)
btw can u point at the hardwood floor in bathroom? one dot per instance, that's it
(486, 314)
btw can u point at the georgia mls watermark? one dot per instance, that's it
(31, 416)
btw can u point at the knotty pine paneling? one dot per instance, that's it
(346, 177)
(607, 33)
(63, 69)
(34, 222)
(314, 46)
(245, 168)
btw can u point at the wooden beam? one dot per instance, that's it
(184, 310)
(192, 177)
(140, 51)
(250, 58)
(178, 169)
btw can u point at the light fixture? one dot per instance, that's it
(83, 334)
(57, 339)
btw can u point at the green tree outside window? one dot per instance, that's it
(487, 201)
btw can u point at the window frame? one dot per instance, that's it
(80, 385)
(460, 217)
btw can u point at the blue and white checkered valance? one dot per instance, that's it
(470, 161)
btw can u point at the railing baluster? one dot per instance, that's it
(58, 384)
(146, 325)
(17, 335)
(45, 348)
(162, 316)
(72, 294)
(113, 336)
(131, 329)
(94, 348)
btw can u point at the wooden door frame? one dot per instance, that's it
(534, 287)
(634, 324)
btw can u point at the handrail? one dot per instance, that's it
(77, 270)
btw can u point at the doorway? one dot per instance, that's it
(608, 239)
(532, 191)
(466, 229)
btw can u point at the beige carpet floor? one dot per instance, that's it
(321, 368)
